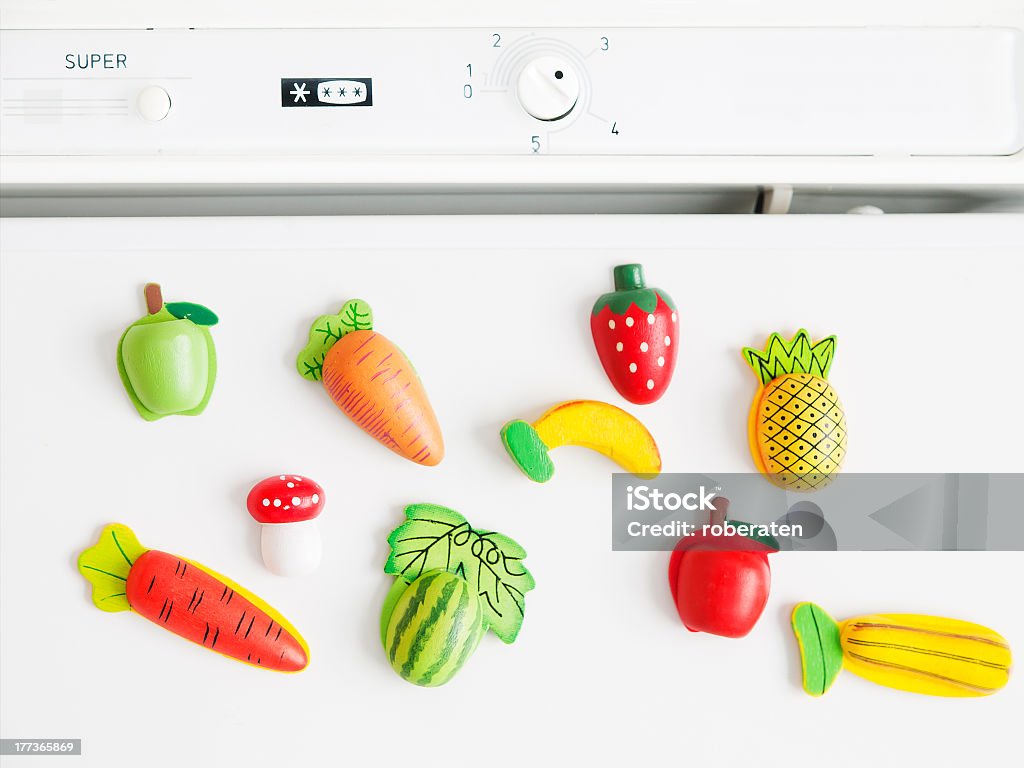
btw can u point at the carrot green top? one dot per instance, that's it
(106, 566)
(798, 355)
(356, 315)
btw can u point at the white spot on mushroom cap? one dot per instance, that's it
(291, 485)
(283, 477)
(266, 502)
(277, 502)
(643, 346)
(316, 498)
(650, 383)
(296, 500)
(661, 362)
(632, 367)
(618, 347)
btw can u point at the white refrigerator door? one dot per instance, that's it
(494, 313)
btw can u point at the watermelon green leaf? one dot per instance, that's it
(436, 537)
(106, 565)
(197, 313)
(327, 330)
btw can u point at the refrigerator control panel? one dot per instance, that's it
(636, 91)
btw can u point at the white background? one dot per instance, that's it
(494, 314)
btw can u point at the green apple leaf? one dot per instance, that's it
(435, 537)
(197, 313)
(356, 315)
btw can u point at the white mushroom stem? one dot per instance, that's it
(290, 549)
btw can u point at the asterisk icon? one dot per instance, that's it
(341, 91)
(357, 91)
(299, 92)
(327, 93)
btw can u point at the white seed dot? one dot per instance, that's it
(650, 383)
(277, 502)
(316, 498)
(618, 347)
(629, 322)
(668, 341)
(632, 367)
(661, 362)
(285, 507)
(643, 346)
(611, 324)
(291, 485)
(673, 317)
(296, 500)
(650, 319)
(283, 477)
(296, 478)
(266, 502)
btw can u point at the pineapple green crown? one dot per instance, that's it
(798, 355)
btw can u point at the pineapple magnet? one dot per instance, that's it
(797, 427)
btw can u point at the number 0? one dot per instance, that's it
(467, 91)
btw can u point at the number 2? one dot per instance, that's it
(497, 40)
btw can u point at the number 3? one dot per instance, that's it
(604, 43)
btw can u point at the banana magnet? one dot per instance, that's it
(587, 423)
(906, 651)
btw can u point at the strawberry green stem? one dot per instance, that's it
(628, 277)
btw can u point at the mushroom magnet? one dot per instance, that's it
(286, 507)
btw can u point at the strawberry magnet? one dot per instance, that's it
(636, 332)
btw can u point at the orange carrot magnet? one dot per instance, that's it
(373, 382)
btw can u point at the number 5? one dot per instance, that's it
(535, 143)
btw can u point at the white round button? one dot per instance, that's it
(154, 103)
(548, 88)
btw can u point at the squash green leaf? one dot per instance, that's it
(356, 315)
(436, 537)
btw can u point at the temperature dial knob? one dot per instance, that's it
(548, 88)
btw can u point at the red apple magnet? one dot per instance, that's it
(720, 581)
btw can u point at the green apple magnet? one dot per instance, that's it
(166, 358)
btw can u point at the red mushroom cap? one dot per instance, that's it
(285, 499)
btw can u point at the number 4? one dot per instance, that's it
(615, 128)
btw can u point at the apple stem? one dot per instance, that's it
(154, 298)
(719, 510)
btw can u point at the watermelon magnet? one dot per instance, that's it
(452, 583)
(636, 333)
(166, 358)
